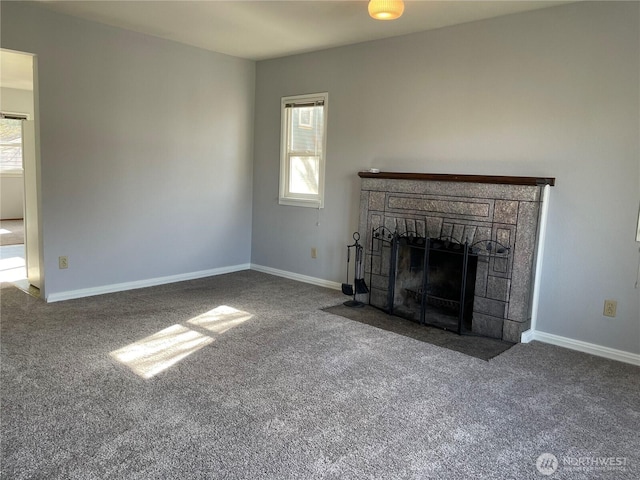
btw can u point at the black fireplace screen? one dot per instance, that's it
(432, 280)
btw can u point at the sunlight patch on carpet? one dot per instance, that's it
(12, 269)
(158, 352)
(220, 319)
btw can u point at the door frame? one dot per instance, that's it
(32, 198)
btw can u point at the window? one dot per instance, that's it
(302, 157)
(11, 144)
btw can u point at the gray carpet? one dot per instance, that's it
(479, 347)
(12, 232)
(290, 393)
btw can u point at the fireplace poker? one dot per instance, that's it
(347, 288)
(358, 280)
(360, 284)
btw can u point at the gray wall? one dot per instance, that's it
(146, 147)
(146, 151)
(552, 92)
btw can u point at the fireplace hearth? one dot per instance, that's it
(452, 251)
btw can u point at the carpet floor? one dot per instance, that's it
(234, 377)
(11, 232)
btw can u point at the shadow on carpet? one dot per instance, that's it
(479, 347)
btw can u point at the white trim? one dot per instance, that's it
(151, 282)
(527, 336)
(296, 276)
(299, 202)
(593, 349)
(13, 173)
(22, 115)
(284, 196)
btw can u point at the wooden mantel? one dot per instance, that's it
(445, 177)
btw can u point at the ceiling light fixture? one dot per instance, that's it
(386, 9)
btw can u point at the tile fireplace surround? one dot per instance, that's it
(469, 208)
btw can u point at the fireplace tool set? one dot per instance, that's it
(359, 286)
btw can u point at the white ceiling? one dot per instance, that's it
(259, 30)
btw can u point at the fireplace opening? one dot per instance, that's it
(432, 281)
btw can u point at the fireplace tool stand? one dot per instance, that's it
(359, 285)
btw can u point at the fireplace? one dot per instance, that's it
(453, 251)
(431, 281)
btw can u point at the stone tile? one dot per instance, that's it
(483, 233)
(521, 277)
(460, 189)
(364, 210)
(380, 282)
(390, 223)
(512, 331)
(482, 271)
(385, 259)
(486, 325)
(443, 206)
(457, 234)
(434, 226)
(372, 227)
(505, 211)
(372, 263)
(503, 236)
(379, 298)
(410, 225)
(498, 288)
(488, 306)
(377, 201)
(500, 265)
(447, 230)
(469, 233)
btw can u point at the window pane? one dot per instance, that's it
(10, 144)
(10, 131)
(306, 129)
(10, 158)
(304, 176)
(302, 153)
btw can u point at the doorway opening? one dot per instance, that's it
(20, 263)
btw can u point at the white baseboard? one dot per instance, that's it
(526, 337)
(151, 282)
(593, 349)
(296, 276)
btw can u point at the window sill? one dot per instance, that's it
(12, 174)
(298, 202)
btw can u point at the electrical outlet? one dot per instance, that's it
(610, 308)
(63, 262)
(314, 252)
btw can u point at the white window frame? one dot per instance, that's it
(285, 196)
(14, 172)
